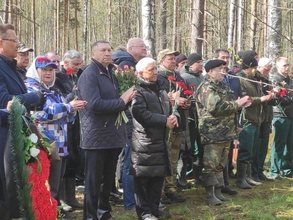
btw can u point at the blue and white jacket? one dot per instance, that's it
(55, 113)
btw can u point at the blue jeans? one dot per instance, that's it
(127, 180)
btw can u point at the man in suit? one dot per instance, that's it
(11, 85)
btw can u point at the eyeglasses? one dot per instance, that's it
(15, 41)
(143, 46)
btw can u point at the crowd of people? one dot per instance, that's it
(169, 136)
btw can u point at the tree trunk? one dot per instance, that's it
(109, 20)
(76, 30)
(239, 42)
(275, 21)
(231, 27)
(197, 26)
(34, 29)
(253, 23)
(163, 19)
(265, 26)
(85, 30)
(58, 27)
(5, 13)
(174, 30)
(148, 24)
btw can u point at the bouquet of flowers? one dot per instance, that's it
(126, 79)
(281, 93)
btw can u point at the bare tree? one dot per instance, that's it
(85, 4)
(174, 30)
(75, 16)
(253, 23)
(274, 21)
(196, 37)
(148, 24)
(231, 27)
(163, 20)
(239, 25)
(34, 45)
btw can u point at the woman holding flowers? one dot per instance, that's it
(150, 161)
(54, 115)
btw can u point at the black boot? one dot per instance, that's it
(211, 198)
(69, 193)
(220, 196)
(241, 176)
(197, 171)
(249, 180)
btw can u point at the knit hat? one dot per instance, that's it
(181, 57)
(213, 64)
(42, 62)
(248, 61)
(165, 52)
(192, 58)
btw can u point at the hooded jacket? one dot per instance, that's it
(122, 58)
(150, 109)
(55, 114)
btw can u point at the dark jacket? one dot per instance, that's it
(122, 58)
(233, 83)
(100, 89)
(254, 114)
(286, 102)
(164, 83)
(65, 84)
(150, 109)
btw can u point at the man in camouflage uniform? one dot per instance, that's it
(217, 121)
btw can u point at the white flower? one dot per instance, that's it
(34, 152)
(34, 138)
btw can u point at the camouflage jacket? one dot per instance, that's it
(217, 112)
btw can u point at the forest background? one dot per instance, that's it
(185, 25)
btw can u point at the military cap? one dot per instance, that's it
(23, 48)
(165, 52)
(213, 64)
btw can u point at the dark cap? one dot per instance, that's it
(181, 57)
(213, 64)
(192, 58)
(248, 61)
(244, 53)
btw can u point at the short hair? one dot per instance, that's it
(218, 51)
(52, 52)
(141, 65)
(70, 55)
(100, 42)
(279, 60)
(121, 48)
(4, 28)
(130, 42)
(264, 61)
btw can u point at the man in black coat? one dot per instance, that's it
(102, 140)
(11, 85)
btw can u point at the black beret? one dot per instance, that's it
(213, 64)
(192, 58)
(244, 53)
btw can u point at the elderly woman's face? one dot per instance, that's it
(46, 74)
(150, 73)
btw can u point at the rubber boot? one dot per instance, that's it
(241, 176)
(219, 195)
(197, 172)
(182, 181)
(249, 180)
(211, 198)
(69, 193)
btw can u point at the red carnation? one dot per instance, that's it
(119, 69)
(283, 93)
(181, 85)
(188, 92)
(171, 78)
(69, 72)
(192, 85)
(236, 70)
(126, 68)
(42, 59)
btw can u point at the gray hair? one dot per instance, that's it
(70, 55)
(264, 61)
(141, 65)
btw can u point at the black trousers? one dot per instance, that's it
(147, 193)
(226, 168)
(100, 166)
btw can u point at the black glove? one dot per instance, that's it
(42, 97)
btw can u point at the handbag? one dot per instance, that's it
(54, 151)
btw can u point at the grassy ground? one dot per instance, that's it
(272, 200)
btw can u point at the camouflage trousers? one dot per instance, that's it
(215, 157)
(170, 183)
(214, 160)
